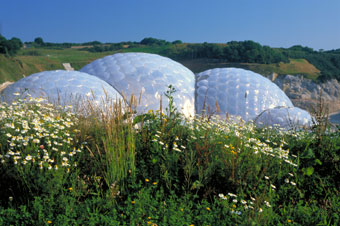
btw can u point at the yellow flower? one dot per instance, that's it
(182, 210)
(133, 202)
(147, 180)
(49, 222)
(234, 206)
(149, 218)
(233, 152)
(70, 188)
(208, 208)
(289, 221)
(154, 183)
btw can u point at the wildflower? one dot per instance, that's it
(293, 183)
(147, 180)
(154, 183)
(289, 221)
(267, 204)
(133, 202)
(287, 180)
(273, 186)
(28, 157)
(235, 200)
(243, 202)
(70, 189)
(232, 195)
(49, 222)
(266, 177)
(260, 210)
(176, 149)
(208, 208)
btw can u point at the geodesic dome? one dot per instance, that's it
(62, 87)
(149, 75)
(283, 117)
(237, 92)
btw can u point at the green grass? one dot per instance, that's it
(112, 167)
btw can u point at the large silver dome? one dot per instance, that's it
(237, 92)
(288, 118)
(62, 87)
(149, 74)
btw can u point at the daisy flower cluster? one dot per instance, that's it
(37, 133)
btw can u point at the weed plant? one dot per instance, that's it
(111, 166)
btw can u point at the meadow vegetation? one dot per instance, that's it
(113, 167)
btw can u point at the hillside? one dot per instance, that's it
(29, 61)
(294, 67)
(34, 60)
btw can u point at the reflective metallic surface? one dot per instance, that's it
(288, 118)
(149, 74)
(62, 87)
(237, 92)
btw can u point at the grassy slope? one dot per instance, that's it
(296, 66)
(12, 69)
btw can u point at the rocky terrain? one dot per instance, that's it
(305, 93)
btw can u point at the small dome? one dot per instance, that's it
(288, 118)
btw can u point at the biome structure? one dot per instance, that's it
(61, 87)
(292, 117)
(237, 92)
(148, 75)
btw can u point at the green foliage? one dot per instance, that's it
(9, 47)
(159, 168)
(39, 41)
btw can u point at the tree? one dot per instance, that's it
(177, 42)
(39, 41)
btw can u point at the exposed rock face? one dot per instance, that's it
(4, 85)
(305, 93)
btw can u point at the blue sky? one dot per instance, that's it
(277, 23)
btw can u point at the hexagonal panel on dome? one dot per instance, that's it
(62, 87)
(237, 92)
(149, 74)
(287, 118)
